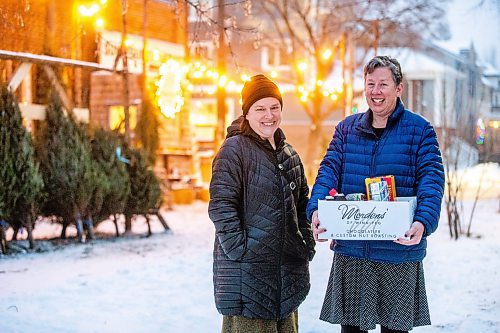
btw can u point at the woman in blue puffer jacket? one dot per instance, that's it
(381, 282)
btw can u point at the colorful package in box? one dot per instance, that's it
(381, 188)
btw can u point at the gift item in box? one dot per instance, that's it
(381, 188)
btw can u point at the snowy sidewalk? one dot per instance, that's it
(164, 283)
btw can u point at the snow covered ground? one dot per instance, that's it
(164, 283)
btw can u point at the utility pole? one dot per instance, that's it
(221, 69)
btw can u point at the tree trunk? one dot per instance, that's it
(29, 227)
(3, 240)
(79, 229)
(221, 68)
(88, 224)
(476, 198)
(126, 93)
(162, 221)
(128, 223)
(144, 49)
(314, 144)
(63, 230)
(115, 221)
(14, 234)
(149, 225)
(312, 152)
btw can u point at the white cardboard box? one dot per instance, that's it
(366, 220)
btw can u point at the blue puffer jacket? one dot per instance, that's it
(408, 149)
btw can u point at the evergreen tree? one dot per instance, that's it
(20, 179)
(8, 194)
(64, 152)
(114, 186)
(145, 193)
(147, 129)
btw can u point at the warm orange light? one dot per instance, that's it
(156, 55)
(117, 117)
(222, 81)
(88, 11)
(99, 23)
(232, 87)
(302, 66)
(327, 54)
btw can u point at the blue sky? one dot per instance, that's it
(480, 24)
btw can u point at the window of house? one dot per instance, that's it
(276, 57)
(117, 117)
(204, 118)
(419, 97)
(495, 102)
(202, 51)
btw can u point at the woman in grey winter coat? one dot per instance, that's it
(258, 199)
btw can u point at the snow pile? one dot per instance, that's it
(485, 177)
(164, 283)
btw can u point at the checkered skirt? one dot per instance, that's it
(365, 293)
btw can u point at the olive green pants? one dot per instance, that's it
(239, 324)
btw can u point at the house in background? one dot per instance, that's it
(489, 151)
(456, 93)
(83, 39)
(452, 90)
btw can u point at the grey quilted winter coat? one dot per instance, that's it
(263, 240)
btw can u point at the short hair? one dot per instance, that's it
(388, 62)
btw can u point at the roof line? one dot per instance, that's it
(45, 59)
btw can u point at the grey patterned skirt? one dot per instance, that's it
(365, 293)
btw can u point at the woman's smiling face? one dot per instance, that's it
(381, 92)
(264, 117)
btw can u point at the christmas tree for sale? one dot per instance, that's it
(110, 197)
(145, 192)
(21, 183)
(69, 173)
(147, 129)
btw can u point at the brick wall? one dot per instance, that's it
(164, 22)
(107, 89)
(40, 27)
